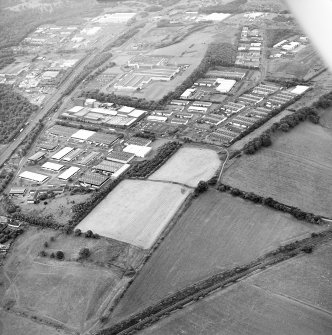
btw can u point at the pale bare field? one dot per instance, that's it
(189, 166)
(136, 211)
(217, 232)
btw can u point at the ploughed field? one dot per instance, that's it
(217, 232)
(295, 170)
(188, 166)
(136, 211)
(291, 298)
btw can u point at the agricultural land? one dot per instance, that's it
(279, 300)
(165, 168)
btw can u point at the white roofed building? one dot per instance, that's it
(52, 166)
(82, 134)
(137, 150)
(69, 172)
(225, 85)
(34, 177)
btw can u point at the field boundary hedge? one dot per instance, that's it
(204, 287)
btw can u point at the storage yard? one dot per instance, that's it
(140, 210)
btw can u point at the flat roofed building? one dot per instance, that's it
(137, 150)
(32, 176)
(68, 173)
(93, 179)
(155, 118)
(233, 107)
(179, 102)
(137, 113)
(202, 104)
(138, 141)
(209, 82)
(73, 154)
(89, 158)
(121, 121)
(103, 111)
(103, 138)
(177, 120)
(52, 166)
(62, 131)
(198, 109)
(75, 109)
(48, 146)
(225, 85)
(187, 93)
(119, 172)
(63, 152)
(108, 166)
(120, 156)
(82, 134)
(17, 191)
(125, 109)
(37, 156)
(299, 89)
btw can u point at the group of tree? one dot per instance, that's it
(201, 188)
(45, 222)
(284, 124)
(30, 139)
(230, 7)
(15, 109)
(5, 178)
(58, 254)
(270, 202)
(9, 205)
(6, 233)
(147, 167)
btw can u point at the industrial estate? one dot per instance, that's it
(165, 168)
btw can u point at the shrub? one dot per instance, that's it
(60, 255)
(84, 253)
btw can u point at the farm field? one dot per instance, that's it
(293, 297)
(295, 170)
(136, 211)
(13, 324)
(217, 232)
(326, 118)
(189, 166)
(66, 292)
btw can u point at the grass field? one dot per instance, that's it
(292, 298)
(295, 170)
(217, 232)
(188, 166)
(12, 324)
(326, 118)
(65, 293)
(136, 211)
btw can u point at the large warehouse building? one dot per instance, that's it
(225, 85)
(32, 176)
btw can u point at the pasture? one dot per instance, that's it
(217, 232)
(65, 293)
(11, 324)
(188, 166)
(295, 170)
(293, 297)
(136, 211)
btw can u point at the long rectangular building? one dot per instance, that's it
(63, 152)
(32, 176)
(68, 173)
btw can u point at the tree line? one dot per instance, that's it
(285, 124)
(270, 202)
(145, 168)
